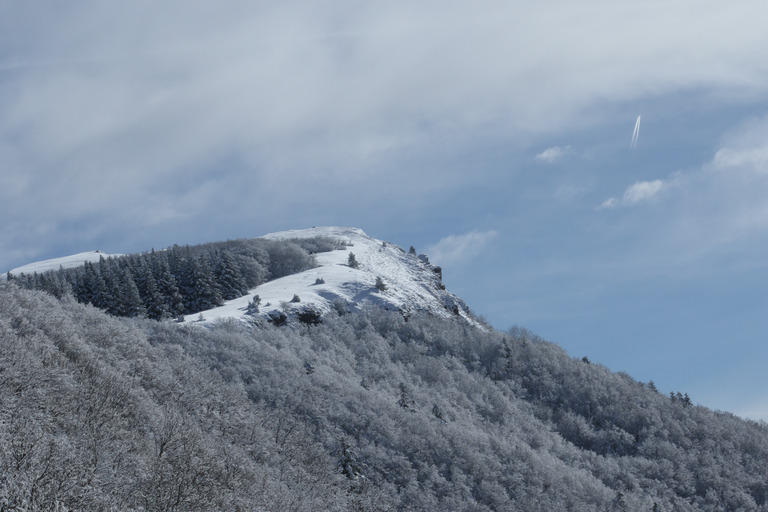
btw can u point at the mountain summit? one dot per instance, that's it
(361, 272)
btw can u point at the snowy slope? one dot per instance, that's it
(411, 284)
(75, 260)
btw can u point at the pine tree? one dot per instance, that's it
(110, 298)
(199, 288)
(128, 302)
(166, 285)
(154, 302)
(228, 276)
(92, 289)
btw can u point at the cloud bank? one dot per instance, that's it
(145, 116)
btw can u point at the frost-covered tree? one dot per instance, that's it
(253, 305)
(364, 411)
(352, 261)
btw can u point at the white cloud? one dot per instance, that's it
(636, 193)
(609, 203)
(642, 191)
(553, 154)
(756, 158)
(737, 181)
(456, 249)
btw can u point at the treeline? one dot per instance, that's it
(179, 280)
(364, 411)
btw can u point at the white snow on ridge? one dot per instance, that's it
(72, 261)
(411, 284)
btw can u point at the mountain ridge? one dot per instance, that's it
(71, 261)
(384, 276)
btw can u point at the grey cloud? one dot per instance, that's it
(110, 104)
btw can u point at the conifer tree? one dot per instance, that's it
(166, 285)
(110, 275)
(92, 289)
(128, 301)
(154, 303)
(199, 287)
(228, 276)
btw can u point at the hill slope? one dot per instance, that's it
(392, 402)
(71, 261)
(366, 411)
(407, 283)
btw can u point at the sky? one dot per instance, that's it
(498, 137)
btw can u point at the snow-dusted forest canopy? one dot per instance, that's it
(364, 411)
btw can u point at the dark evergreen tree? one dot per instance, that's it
(177, 258)
(166, 285)
(92, 288)
(228, 276)
(199, 288)
(110, 273)
(53, 283)
(128, 300)
(153, 301)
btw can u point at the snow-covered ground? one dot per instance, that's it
(411, 284)
(75, 260)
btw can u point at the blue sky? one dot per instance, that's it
(495, 136)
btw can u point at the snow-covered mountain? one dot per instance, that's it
(383, 275)
(407, 282)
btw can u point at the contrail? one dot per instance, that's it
(635, 134)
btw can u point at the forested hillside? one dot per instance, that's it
(179, 280)
(365, 411)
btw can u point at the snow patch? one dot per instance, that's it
(72, 261)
